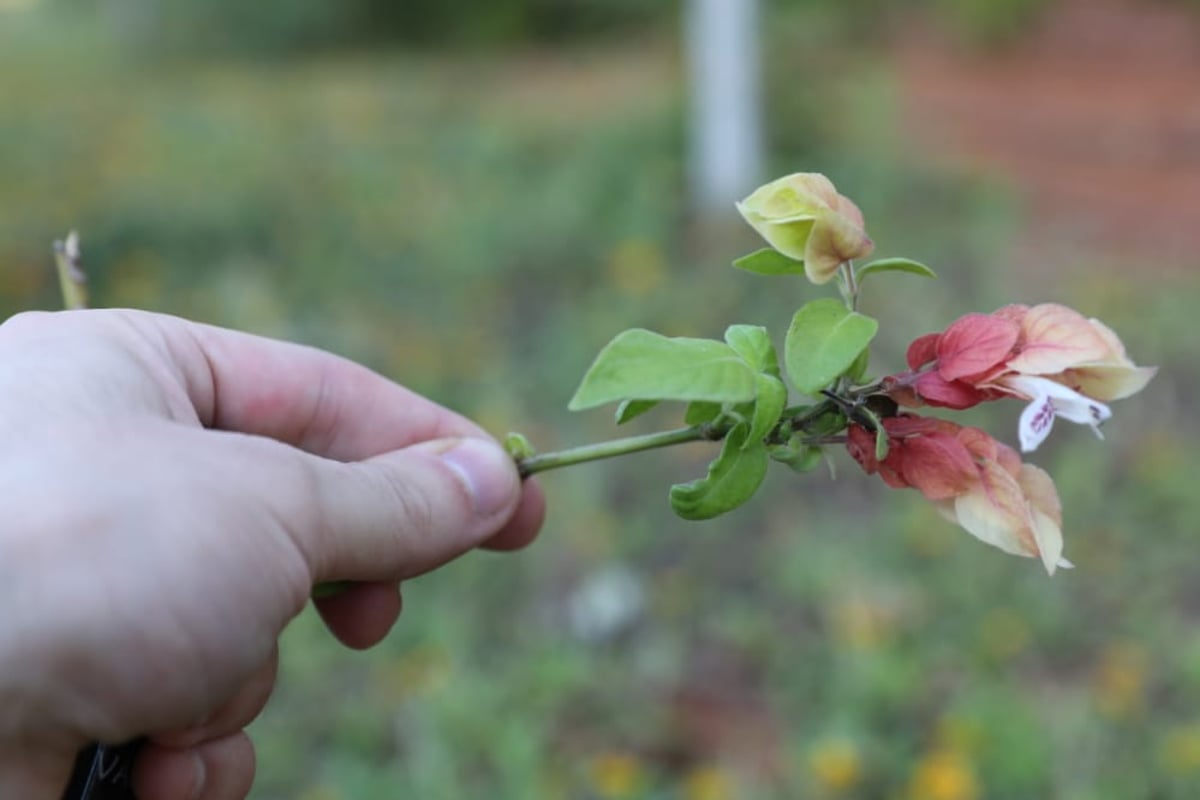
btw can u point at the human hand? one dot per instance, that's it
(173, 491)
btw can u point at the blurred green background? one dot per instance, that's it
(474, 197)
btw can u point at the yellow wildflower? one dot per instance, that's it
(835, 764)
(944, 775)
(616, 775)
(707, 783)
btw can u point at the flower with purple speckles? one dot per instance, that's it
(1063, 363)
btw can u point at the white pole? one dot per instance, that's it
(725, 87)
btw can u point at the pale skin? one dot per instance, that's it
(171, 494)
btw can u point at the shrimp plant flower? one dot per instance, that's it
(1063, 363)
(798, 407)
(803, 217)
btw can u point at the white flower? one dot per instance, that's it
(1049, 399)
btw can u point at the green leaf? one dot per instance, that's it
(830, 424)
(881, 438)
(770, 262)
(859, 368)
(800, 457)
(732, 479)
(894, 265)
(768, 406)
(753, 344)
(633, 408)
(648, 366)
(823, 341)
(518, 446)
(701, 412)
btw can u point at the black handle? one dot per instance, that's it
(103, 772)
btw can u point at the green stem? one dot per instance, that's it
(849, 285)
(799, 416)
(709, 432)
(541, 462)
(71, 278)
(617, 447)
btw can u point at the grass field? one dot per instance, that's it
(477, 226)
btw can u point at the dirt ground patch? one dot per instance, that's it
(1094, 115)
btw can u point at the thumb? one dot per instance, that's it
(408, 511)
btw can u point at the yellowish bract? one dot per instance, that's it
(803, 216)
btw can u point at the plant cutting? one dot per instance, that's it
(734, 392)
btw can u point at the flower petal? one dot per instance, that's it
(846, 207)
(788, 235)
(979, 443)
(1008, 458)
(974, 344)
(996, 512)
(1046, 508)
(861, 445)
(803, 216)
(1050, 399)
(1116, 348)
(811, 187)
(1109, 382)
(1055, 338)
(792, 195)
(922, 350)
(1035, 424)
(935, 390)
(1048, 535)
(834, 240)
(938, 465)
(1013, 311)
(1039, 490)
(903, 425)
